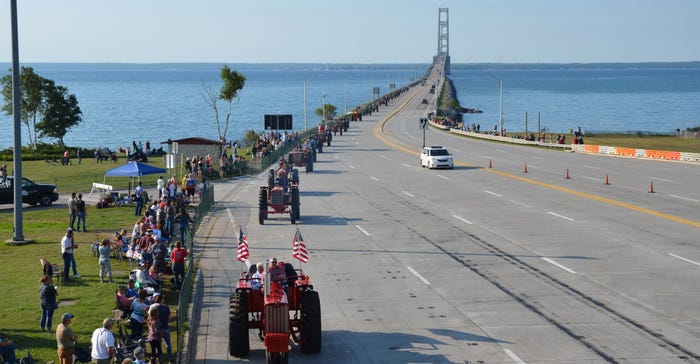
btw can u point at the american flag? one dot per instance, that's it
(242, 246)
(300, 253)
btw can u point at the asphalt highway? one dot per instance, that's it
(473, 264)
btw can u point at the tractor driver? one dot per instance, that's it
(282, 175)
(276, 271)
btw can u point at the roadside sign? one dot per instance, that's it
(423, 123)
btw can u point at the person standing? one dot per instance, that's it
(138, 192)
(47, 295)
(103, 343)
(73, 210)
(155, 336)
(177, 256)
(138, 314)
(81, 212)
(65, 339)
(67, 247)
(104, 251)
(164, 317)
(159, 185)
(183, 219)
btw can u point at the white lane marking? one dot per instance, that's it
(406, 165)
(383, 156)
(374, 178)
(591, 167)
(537, 158)
(662, 179)
(441, 176)
(418, 275)
(457, 150)
(685, 198)
(462, 219)
(533, 166)
(357, 143)
(521, 204)
(486, 156)
(592, 178)
(361, 229)
(407, 194)
(684, 259)
(561, 216)
(335, 156)
(351, 166)
(513, 356)
(230, 215)
(492, 193)
(558, 265)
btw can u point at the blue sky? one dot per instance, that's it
(358, 31)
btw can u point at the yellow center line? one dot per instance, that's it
(384, 138)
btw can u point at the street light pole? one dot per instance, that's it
(323, 108)
(500, 84)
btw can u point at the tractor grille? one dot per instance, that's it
(277, 197)
(277, 318)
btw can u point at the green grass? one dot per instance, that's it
(656, 142)
(88, 299)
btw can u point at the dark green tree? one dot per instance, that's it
(329, 111)
(233, 82)
(32, 99)
(60, 112)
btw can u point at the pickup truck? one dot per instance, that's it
(32, 193)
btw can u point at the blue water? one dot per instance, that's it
(618, 98)
(125, 102)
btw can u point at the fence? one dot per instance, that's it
(205, 203)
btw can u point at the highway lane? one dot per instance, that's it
(466, 265)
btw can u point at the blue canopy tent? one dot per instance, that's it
(133, 169)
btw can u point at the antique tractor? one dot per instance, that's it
(277, 315)
(302, 156)
(279, 197)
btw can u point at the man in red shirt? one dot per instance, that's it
(178, 258)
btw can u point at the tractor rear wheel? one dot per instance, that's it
(296, 213)
(238, 341)
(295, 175)
(276, 358)
(310, 322)
(309, 165)
(320, 147)
(262, 206)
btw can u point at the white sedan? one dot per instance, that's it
(436, 157)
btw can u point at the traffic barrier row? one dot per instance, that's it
(638, 153)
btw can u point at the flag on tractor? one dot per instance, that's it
(300, 253)
(242, 246)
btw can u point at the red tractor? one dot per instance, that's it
(302, 156)
(280, 196)
(277, 315)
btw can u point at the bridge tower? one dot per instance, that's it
(443, 49)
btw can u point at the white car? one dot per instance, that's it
(436, 157)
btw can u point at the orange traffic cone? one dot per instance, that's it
(606, 179)
(490, 165)
(651, 187)
(567, 174)
(525, 168)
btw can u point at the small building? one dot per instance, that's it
(189, 147)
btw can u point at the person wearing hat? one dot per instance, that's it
(103, 343)
(65, 338)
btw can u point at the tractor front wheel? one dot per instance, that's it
(238, 341)
(276, 358)
(310, 323)
(262, 206)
